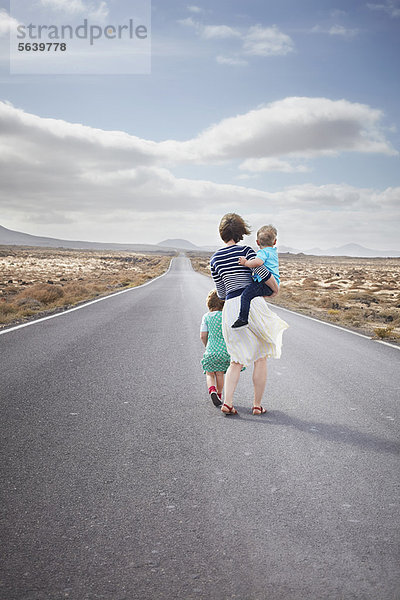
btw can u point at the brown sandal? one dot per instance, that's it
(229, 410)
(260, 410)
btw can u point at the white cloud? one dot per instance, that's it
(266, 41)
(295, 128)
(337, 13)
(189, 22)
(338, 30)
(219, 32)
(255, 41)
(259, 165)
(71, 176)
(342, 31)
(391, 7)
(231, 60)
(97, 10)
(6, 23)
(194, 9)
(298, 127)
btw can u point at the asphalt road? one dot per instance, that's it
(121, 481)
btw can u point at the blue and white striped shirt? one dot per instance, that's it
(228, 275)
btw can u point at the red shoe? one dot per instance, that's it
(228, 410)
(260, 410)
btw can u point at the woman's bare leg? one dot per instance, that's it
(259, 379)
(231, 381)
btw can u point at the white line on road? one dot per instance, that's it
(60, 314)
(336, 327)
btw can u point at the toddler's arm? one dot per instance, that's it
(252, 263)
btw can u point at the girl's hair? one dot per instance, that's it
(266, 235)
(233, 227)
(213, 302)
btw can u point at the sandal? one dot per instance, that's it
(260, 410)
(229, 410)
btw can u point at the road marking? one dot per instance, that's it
(335, 326)
(69, 310)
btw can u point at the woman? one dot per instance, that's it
(263, 336)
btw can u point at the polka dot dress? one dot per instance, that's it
(216, 357)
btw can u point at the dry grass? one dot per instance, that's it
(36, 281)
(360, 293)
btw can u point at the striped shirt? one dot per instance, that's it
(228, 275)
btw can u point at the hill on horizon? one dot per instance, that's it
(10, 237)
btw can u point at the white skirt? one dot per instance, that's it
(261, 337)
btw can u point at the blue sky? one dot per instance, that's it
(286, 112)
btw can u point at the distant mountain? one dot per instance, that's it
(353, 250)
(177, 243)
(9, 237)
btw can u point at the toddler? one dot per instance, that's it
(216, 359)
(267, 256)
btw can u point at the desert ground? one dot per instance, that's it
(358, 293)
(36, 281)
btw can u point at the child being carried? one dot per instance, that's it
(267, 256)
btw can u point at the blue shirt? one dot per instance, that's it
(269, 256)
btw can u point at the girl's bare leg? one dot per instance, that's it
(231, 381)
(219, 376)
(259, 379)
(210, 378)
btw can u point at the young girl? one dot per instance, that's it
(216, 359)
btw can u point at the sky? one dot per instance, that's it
(286, 112)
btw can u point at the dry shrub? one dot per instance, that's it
(75, 289)
(7, 309)
(43, 292)
(309, 283)
(29, 303)
(383, 332)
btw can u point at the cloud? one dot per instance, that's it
(342, 31)
(70, 176)
(231, 60)
(291, 129)
(259, 165)
(97, 10)
(189, 22)
(338, 30)
(218, 32)
(194, 9)
(255, 41)
(391, 7)
(6, 23)
(295, 127)
(266, 41)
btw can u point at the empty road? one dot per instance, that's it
(121, 480)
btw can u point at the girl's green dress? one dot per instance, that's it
(216, 357)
